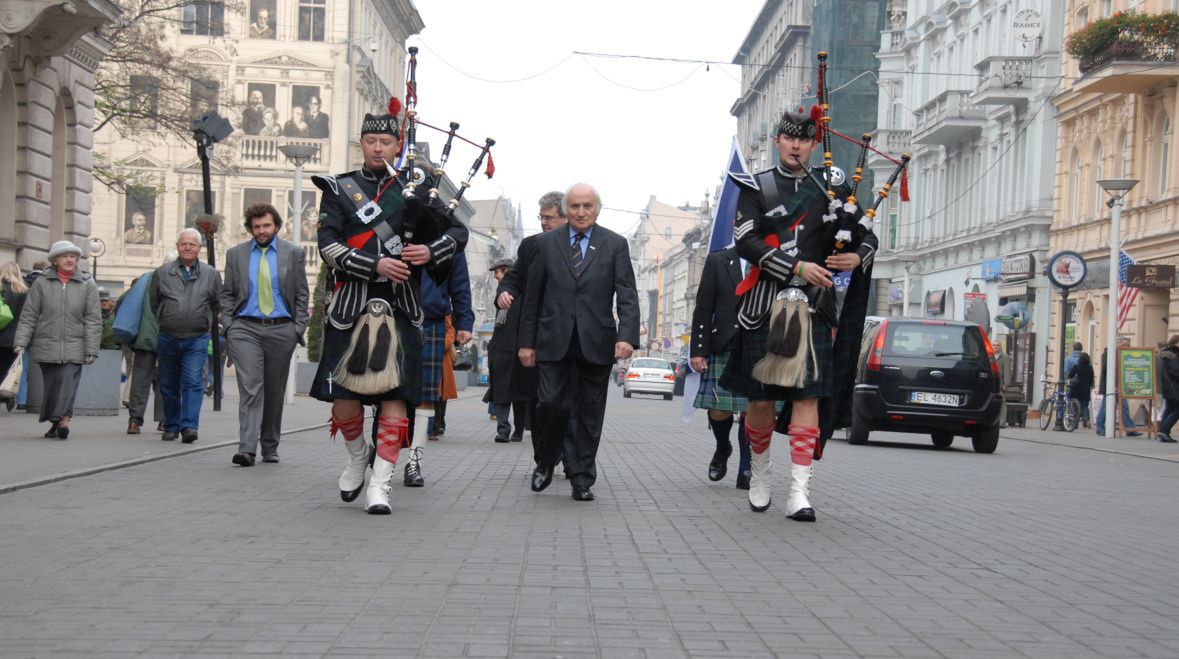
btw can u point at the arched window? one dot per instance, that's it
(1074, 198)
(1098, 174)
(1123, 155)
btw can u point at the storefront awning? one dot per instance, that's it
(1013, 290)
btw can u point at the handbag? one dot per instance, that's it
(127, 316)
(11, 383)
(5, 314)
(462, 358)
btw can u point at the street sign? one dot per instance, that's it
(1145, 275)
(975, 296)
(1136, 373)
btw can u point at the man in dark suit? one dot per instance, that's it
(265, 301)
(525, 381)
(573, 283)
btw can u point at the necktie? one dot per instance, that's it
(265, 293)
(576, 253)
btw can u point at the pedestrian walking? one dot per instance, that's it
(783, 351)
(184, 296)
(1080, 384)
(581, 273)
(61, 326)
(714, 325)
(13, 290)
(501, 361)
(372, 346)
(1169, 375)
(1127, 421)
(264, 299)
(144, 375)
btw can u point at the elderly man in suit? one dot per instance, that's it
(573, 283)
(265, 301)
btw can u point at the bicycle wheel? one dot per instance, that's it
(1072, 415)
(1046, 411)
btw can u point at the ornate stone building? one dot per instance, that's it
(50, 51)
(1117, 112)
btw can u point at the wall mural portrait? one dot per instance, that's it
(307, 101)
(139, 216)
(194, 206)
(259, 100)
(307, 216)
(262, 14)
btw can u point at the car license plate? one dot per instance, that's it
(930, 398)
(651, 376)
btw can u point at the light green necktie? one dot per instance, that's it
(265, 293)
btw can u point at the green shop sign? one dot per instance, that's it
(1136, 372)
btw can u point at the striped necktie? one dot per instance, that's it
(265, 292)
(576, 252)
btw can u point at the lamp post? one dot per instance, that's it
(298, 154)
(97, 249)
(209, 129)
(1116, 188)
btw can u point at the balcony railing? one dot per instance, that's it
(1003, 81)
(948, 118)
(261, 151)
(1130, 47)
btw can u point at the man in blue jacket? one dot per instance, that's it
(451, 297)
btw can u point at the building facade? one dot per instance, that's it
(492, 228)
(50, 52)
(1117, 110)
(666, 285)
(283, 72)
(966, 87)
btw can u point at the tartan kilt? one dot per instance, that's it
(409, 355)
(749, 346)
(712, 396)
(433, 353)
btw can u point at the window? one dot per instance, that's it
(1098, 174)
(667, 233)
(311, 20)
(1123, 156)
(1074, 204)
(1082, 18)
(203, 17)
(203, 97)
(1107, 7)
(1164, 138)
(143, 102)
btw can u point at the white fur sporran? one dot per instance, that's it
(789, 344)
(369, 366)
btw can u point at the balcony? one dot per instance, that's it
(891, 141)
(1003, 81)
(947, 119)
(1132, 64)
(261, 152)
(892, 42)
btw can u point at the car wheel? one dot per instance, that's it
(625, 392)
(858, 434)
(943, 439)
(987, 440)
(666, 396)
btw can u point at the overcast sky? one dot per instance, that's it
(508, 70)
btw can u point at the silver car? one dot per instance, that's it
(648, 375)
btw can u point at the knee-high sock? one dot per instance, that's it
(391, 433)
(743, 445)
(421, 424)
(759, 438)
(351, 428)
(720, 430)
(802, 444)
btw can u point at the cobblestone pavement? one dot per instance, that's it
(1040, 550)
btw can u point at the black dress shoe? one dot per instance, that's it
(501, 439)
(63, 432)
(517, 437)
(541, 479)
(243, 459)
(743, 479)
(270, 457)
(170, 435)
(1166, 439)
(719, 466)
(52, 432)
(582, 494)
(803, 515)
(188, 435)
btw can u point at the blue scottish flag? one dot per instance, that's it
(725, 209)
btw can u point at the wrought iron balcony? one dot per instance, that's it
(1003, 81)
(948, 118)
(1131, 64)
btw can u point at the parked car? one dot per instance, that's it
(648, 375)
(927, 376)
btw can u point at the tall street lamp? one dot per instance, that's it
(299, 154)
(209, 129)
(1116, 188)
(97, 249)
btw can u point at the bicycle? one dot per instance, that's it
(1059, 405)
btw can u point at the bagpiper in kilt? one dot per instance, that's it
(788, 228)
(377, 245)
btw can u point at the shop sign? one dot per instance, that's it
(974, 296)
(991, 269)
(1145, 275)
(896, 295)
(1015, 268)
(935, 302)
(1136, 372)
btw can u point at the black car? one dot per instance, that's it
(927, 376)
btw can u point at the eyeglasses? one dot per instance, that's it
(548, 218)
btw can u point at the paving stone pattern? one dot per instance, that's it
(1036, 551)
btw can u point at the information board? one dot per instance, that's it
(1136, 372)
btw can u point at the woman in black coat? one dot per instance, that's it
(1080, 378)
(14, 290)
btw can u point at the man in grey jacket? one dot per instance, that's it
(185, 298)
